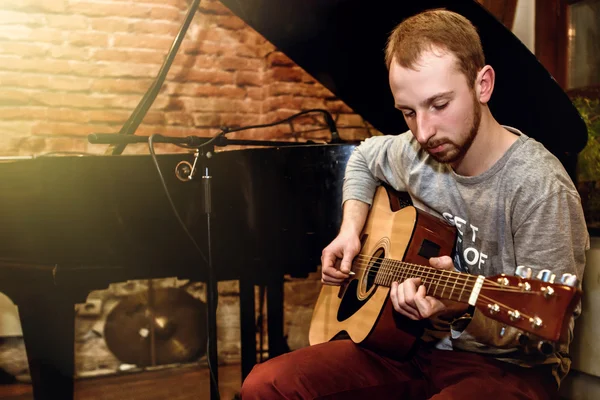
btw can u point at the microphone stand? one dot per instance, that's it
(212, 292)
(205, 149)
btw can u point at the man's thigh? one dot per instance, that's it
(459, 375)
(334, 370)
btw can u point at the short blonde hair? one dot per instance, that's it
(437, 28)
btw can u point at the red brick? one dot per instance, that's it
(228, 22)
(232, 92)
(279, 102)
(19, 144)
(311, 102)
(357, 134)
(67, 22)
(338, 106)
(68, 129)
(205, 47)
(199, 61)
(155, 117)
(70, 53)
(102, 9)
(213, 7)
(23, 113)
(13, 97)
(206, 119)
(118, 70)
(110, 24)
(24, 49)
(176, 131)
(15, 127)
(68, 115)
(167, 13)
(58, 144)
(250, 78)
(350, 120)
(289, 74)
(92, 39)
(201, 76)
(22, 18)
(121, 85)
(45, 35)
(180, 4)
(256, 93)
(278, 59)
(14, 32)
(225, 105)
(166, 28)
(131, 56)
(178, 118)
(56, 6)
(298, 89)
(237, 119)
(109, 116)
(229, 63)
(137, 41)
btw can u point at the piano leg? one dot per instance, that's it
(247, 326)
(48, 324)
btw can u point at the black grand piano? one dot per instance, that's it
(69, 225)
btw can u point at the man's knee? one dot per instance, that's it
(265, 381)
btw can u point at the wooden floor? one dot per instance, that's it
(185, 383)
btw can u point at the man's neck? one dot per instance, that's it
(490, 144)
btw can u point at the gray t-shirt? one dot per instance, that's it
(524, 210)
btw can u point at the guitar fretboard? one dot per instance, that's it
(439, 283)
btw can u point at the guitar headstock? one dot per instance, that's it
(538, 306)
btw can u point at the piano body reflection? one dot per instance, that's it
(69, 225)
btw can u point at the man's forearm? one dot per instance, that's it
(355, 216)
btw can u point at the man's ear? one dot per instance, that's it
(484, 84)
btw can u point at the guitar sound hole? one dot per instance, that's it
(373, 269)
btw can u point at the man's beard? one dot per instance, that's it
(458, 151)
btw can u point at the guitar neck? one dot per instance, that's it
(441, 284)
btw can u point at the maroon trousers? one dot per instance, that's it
(343, 370)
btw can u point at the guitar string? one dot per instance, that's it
(485, 300)
(462, 286)
(444, 277)
(424, 269)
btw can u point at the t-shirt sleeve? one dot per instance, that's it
(378, 159)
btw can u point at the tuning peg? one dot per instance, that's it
(546, 348)
(523, 339)
(523, 272)
(569, 280)
(545, 275)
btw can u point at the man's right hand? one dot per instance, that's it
(336, 258)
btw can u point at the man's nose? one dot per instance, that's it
(425, 129)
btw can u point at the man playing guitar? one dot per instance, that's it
(509, 199)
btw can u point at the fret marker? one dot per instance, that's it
(476, 290)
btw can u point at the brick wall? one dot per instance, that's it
(69, 68)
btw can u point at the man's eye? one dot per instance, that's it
(440, 106)
(408, 114)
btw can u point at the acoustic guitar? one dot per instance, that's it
(396, 245)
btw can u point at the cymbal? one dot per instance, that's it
(171, 319)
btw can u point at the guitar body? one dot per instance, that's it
(361, 308)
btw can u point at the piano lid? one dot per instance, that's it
(341, 44)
